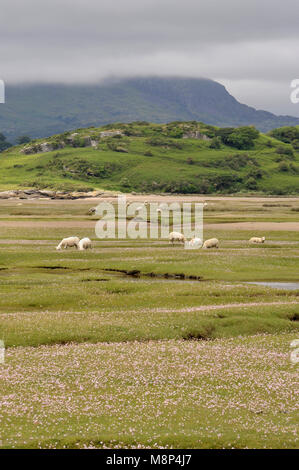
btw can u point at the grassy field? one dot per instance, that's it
(148, 158)
(185, 354)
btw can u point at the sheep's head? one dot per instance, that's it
(263, 239)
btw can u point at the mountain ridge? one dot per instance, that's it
(40, 110)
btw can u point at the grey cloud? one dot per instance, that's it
(246, 45)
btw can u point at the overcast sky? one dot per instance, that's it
(251, 46)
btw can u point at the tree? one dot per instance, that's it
(215, 143)
(23, 139)
(3, 143)
(286, 134)
(243, 137)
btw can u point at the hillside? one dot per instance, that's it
(42, 110)
(179, 157)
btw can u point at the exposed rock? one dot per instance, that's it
(111, 133)
(121, 149)
(7, 194)
(30, 149)
(46, 147)
(49, 194)
(42, 147)
(195, 135)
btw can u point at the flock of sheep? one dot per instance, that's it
(85, 243)
(70, 242)
(197, 242)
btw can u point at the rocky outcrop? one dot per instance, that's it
(111, 133)
(50, 194)
(42, 147)
(195, 135)
(73, 140)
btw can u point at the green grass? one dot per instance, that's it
(177, 165)
(103, 359)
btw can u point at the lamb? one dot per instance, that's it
(68, 243)
(257, 240)
(212, 243)
(176, 237)
(84, 244)
(195, 242)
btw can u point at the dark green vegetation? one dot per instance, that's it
(3, 143)
(179, 157)
(43, 110)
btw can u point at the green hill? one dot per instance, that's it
(179, 157)
(40, 110)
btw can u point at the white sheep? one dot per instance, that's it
(195, 242)
(212, 243)
(257, 240)
(68, 243)
(84, 244)
(176, 237)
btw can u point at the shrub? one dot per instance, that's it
(215, 143)
(283, 166)
(251, 183)
(157, 141)
(286, 134)
(240, 137)
(285, 151)
(23, 139)
(243, 137)
(3, 143)
(295, 144)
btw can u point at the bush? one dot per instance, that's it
(3, 143)
(215, 143)
(243, 137)
(23, 139)
(285, 151)
(286, 134)
(251, 183)
(283, 166)
(125, 183)
(163, 142)
(240, 137)
(175, 133)
(295, 144)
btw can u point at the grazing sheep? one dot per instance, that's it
(212, 243)
(176, 237)
(84, 244)
(68, 243)
(195, 242)
(257, 240)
